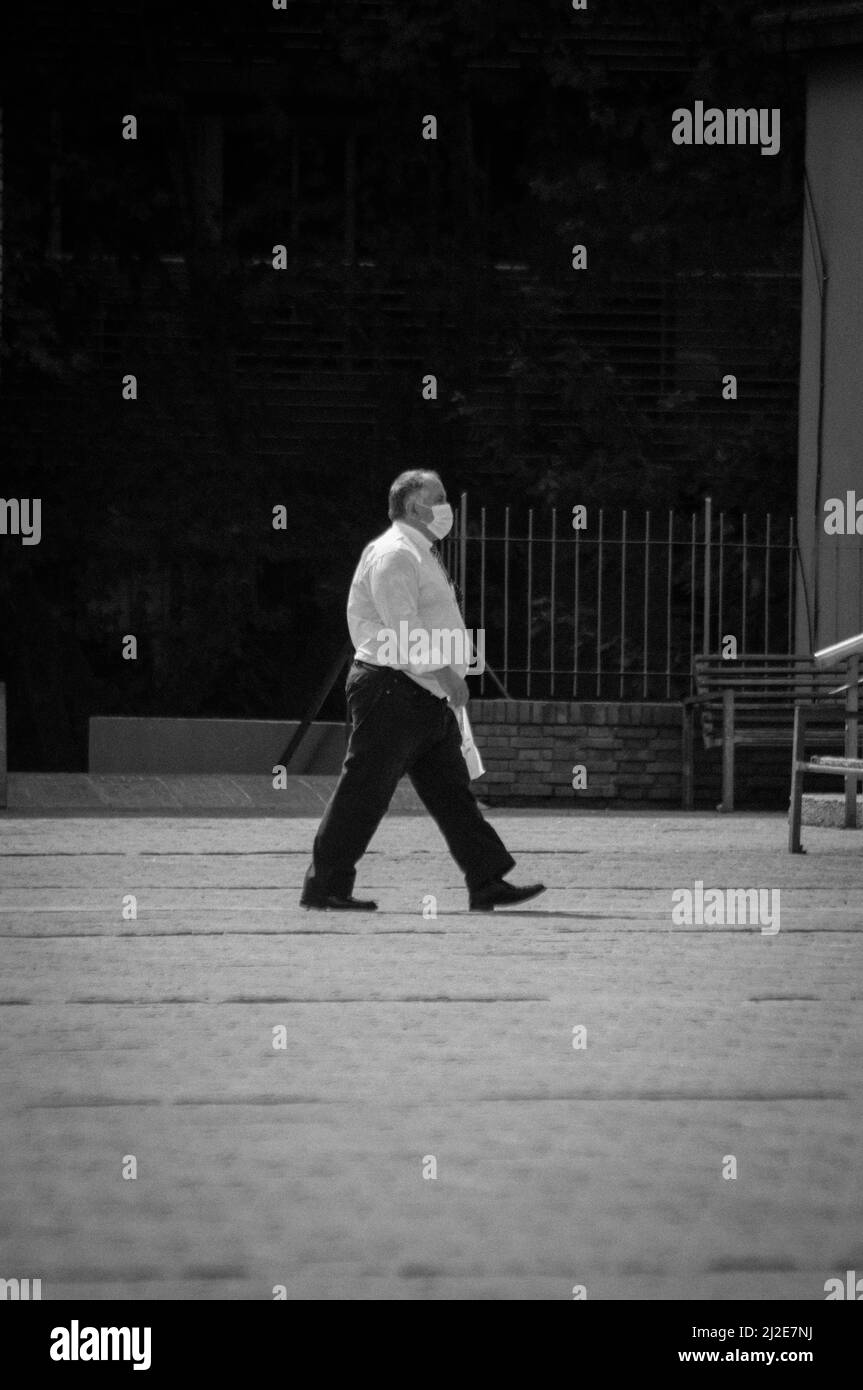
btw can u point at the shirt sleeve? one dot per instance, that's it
(394, 583)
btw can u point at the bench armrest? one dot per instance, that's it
(716, 697)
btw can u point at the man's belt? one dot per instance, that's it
(401, 675)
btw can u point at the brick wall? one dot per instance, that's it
(632, 752)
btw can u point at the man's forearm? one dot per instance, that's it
(453, 685)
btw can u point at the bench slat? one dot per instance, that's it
(850, 763)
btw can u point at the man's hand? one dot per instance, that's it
(454, 685)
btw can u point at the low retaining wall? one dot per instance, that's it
(244, 746)
(631, 753)
(3, 773)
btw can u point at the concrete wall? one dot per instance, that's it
(210, 745)
(834, 160)
(3, 755)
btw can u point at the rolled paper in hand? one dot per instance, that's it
(474, 762)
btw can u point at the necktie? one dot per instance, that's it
(449, 579)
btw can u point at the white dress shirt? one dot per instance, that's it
(399, 588)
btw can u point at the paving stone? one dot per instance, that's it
(406, 1037)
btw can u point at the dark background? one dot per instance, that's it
(302, 387)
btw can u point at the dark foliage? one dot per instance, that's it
(301, 387)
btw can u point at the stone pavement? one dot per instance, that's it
(38, 793)
(408, 1037)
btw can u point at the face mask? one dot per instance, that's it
(441, 522)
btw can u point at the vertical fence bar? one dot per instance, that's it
(708, 575)
(646, 606)
(668, 592)
(744, 576)
(482, 529)
(767, 543)
(791, 590)
(506, 596)
(553, 600)
(462, 551)
(721, 596)
(576, 615)
(599, 607)
(529, 595)
(622, 602)
(692, 545)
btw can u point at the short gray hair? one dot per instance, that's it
(405, 485)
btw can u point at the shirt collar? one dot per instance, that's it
(413, 534)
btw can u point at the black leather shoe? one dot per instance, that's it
(503, 894)
(327, 902)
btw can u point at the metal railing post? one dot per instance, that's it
(462, 550)
(708, 577)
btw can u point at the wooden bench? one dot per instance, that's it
(812, 719)
(750, 701)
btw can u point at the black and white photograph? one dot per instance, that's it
(431, 642)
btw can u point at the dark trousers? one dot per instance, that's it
(397, 728)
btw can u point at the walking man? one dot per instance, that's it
(402, 711)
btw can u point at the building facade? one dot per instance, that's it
(830, 471)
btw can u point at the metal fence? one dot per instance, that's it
(617, 610)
